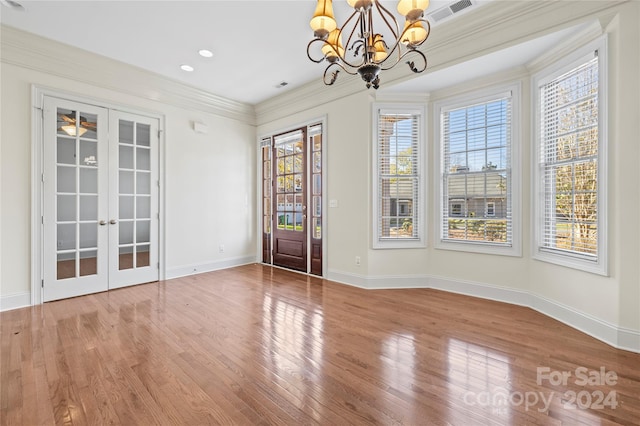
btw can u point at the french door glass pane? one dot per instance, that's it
(142, 256)
(66, 208)
(126, 232)
(66, 179)
(88, 235)
(134, 194)
(125, 135)
(89, 181)
(143, 159)
(66, 151)
(76, 198)
(66, 266)
(88, 263)
(89, 153)
(126, 207)
(143, 134)
(125, 157)
(88, 207)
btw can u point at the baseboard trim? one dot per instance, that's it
(15, 301)
(199, 268)
(613, 335)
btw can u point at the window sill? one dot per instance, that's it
(395, 244)
(569, 261)
(483, 248)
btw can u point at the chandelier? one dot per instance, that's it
(367, 51)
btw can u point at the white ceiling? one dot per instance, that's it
(256, 44)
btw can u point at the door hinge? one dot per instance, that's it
(158, 265)
(42, 177)
(42, 219)
(42, 283)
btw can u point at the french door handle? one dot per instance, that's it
(102, 222)
(113, 221)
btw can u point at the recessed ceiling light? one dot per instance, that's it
(186, 67)
(205, 53)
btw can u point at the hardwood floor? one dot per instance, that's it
(255, 345)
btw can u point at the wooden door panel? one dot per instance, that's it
(290, 247)
(290, 200)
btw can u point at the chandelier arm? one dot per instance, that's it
(412, 64)
(398, 45)
(317, 61)
(383, 10)
(349, 44)
(334, 75)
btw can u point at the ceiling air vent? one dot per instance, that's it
(460, 5)
(450, 10)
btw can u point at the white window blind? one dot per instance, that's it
(398, 175)
(569, 154)
(476, 145)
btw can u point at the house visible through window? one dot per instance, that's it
(398, 177)
(476, 175)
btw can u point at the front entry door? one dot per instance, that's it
(100, 216)
(290, 205)
(292, 165)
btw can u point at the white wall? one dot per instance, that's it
(201, 213)
(208, 178)
(606, 307)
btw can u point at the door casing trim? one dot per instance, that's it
(38, 93)
(325, 203)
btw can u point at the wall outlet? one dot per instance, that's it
(358, 260)
(221, 248)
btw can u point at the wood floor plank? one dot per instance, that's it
(256, 345)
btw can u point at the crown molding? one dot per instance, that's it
(589, 33)
(37, 53)
(474, 34)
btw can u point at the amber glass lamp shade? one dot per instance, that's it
(380, 49)
(414, 33)
(323, 21)
(412, 9)
(332, 49)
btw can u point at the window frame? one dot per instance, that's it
(380, 242)
(466, 100)
(570, 259)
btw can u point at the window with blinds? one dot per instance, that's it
(476, 146)
(398, 176)
(569, 161)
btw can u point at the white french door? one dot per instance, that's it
(100, 203)
(133, 201)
